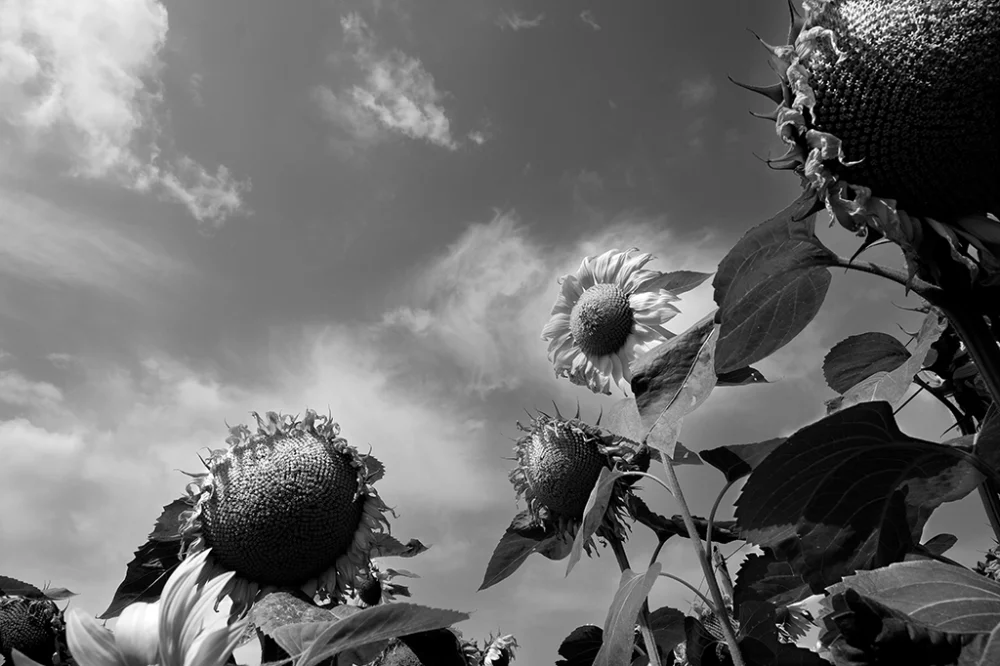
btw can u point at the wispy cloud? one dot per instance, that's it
(694, 92)
(82, 79)
(195, 83)
(587, 17)
(46, 244)
(398, 94)
(515, 22)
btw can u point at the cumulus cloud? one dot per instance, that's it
(483, 302)
(81, 78)
(397, 95)
(515, 22)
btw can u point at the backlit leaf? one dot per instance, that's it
(892, 386)
(854, 359)
(770, 286)
(619, 625)
(593, 513)
(672, 380)
(316, 641)
(678, 282)
(848, 492)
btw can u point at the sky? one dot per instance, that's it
(209, 209)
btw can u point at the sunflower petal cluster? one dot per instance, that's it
(608, 312)
(888, 108)
(290, 505)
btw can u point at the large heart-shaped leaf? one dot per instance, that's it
(849, 492)
(521, 539)
(16, 588)
(667, 626)
(312, 642)
(619, 625)
(593, 513)
(854, 359)
(672, 380)
(580, 648)
(765, 578)
(770, 285)
(892, 385)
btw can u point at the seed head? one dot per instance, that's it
(29, 626)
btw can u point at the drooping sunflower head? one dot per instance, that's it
(440, 647)
(374, 585)
(33, 627)
(889, 108)
(290, 505)
(607, 313)
(499, 651)
(558, 464)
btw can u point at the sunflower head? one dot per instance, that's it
(440, 647)
(888, 108)
(499, 651)
(558, 463)
(290, 505)
(608, 312)
(30, 626)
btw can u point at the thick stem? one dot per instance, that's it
(970, 325)
(721, 611)
(647, 634)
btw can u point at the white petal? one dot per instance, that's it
(585, 274)
(22, 659)
(203, 612)
(571, 288)
(631, 268)
(557, 325)
(137, 633)
(602, 266)
(212, 648)
(89, 642)
(615, 265)
(652, 308)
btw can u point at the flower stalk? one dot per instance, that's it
(706, 564)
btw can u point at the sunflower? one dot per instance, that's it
(889, 111)
(32, 627)
(375, 586)
(608, 312)
(558, 463)
(180, 629)
(499, 651)
(291, 505)
(440, 647)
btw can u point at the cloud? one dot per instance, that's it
(46, 244)
(515, 21)
(587, 17)
(195, 83)
(81, 79)
(482, 303)
(398, 94)
(694, 92)
(19, 391)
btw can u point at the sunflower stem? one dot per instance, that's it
(708, 602)
(720, 609)
(970, 326)
(647, 634)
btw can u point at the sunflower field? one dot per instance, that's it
(890, 111)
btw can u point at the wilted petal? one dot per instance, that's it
(89, 642)
(558, 324)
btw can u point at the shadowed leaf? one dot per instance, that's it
(388, 546)
(672, 380)
(580, 648)
(770, 286)
(892, 386)
(940, 544)
(765, 578)
(854, 359)
(276, 609)
(723, 531)
(849, 492)
(16, 588)
(667, 627)
(742, 377)
(520, 540)
(619, 625)
(593, 513)
(679, 282)
(316, 641)
(168, 525)
(737, 460)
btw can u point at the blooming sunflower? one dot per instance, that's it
(558, 463)
(499, 651)
(889, 111)
(180, 629)
(32, 627)
(608, 312)
(291, 505)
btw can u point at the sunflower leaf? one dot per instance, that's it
(313, 642)
(168, 525)
(580, 648)
(737, 460)
(765, 578)
(145, 575)
(521, 539)
(390, 546)
(276, 609)
(593, 513)
(722, 530)
(742, 377)
(849, 492)
(672, 380)
(940, 544)
(677, 282)
(893, 385)
(16, 588)
(667, 627)
(770, 285)
(619, 625)
(855, 359)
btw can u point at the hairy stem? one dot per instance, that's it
(647, 634)
(708, 602)
(711, 515)
(706, 564)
